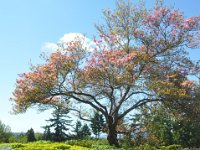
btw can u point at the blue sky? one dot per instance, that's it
(25, 27)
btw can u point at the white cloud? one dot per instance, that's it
(71, 37)
(49, 47)
(66, 38)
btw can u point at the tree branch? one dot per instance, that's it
(138, 104)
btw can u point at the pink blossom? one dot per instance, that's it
(190, 20)
(93, 61)
(151, 17)
(185, 25)
(188, 83)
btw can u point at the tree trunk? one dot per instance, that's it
(112, 133)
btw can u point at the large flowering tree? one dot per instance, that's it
(140, 57)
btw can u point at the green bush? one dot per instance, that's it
(80, 148)
(87, 143)
(61, 146)
(16, 145)
(103, 147)
(145, 147)
(83, 143)
(171, 147)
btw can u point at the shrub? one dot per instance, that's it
(146, 147)
(87, 143)
(16, 145)
(103, 147)
(62, 146)
(171, 147)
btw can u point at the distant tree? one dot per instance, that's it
(97, 124)
(5, 132)
(47, 135)
(77, 130)
(81, 131)
(59, 123)
(30, 135)
(85, 131)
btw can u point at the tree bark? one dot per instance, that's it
(112, 133)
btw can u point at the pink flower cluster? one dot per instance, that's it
(188, 83)
(109, 57)
(157, 15)
(188, 23)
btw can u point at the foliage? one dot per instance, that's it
(161, 127)
(5, 133)
(187, 133)
(97, 124)
(182, 107)
(139, 58)
(171, 147)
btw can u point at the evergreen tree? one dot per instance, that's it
(85, 131)
(97, 124)
(81, 132)
(59, 123)
(47, 135)
(30, 135)
(77, 130)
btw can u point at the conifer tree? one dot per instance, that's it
(85, 131)
(77, 130)
(30, 135)
(97, 124)
(47, 133)
(59, 123)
